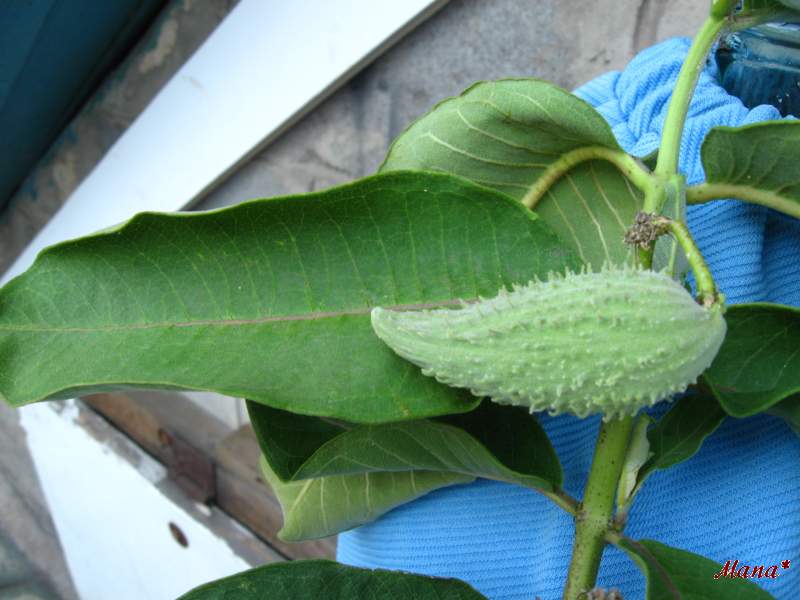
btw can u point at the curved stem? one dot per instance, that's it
(631, 167)
(564, 500)
(706, 192)
(706, 288)
(593, 520)
(723, 8)
(682, 95)
(640, 553)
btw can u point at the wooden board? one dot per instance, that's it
(160, 421)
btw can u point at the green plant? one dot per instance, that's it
(271, 300)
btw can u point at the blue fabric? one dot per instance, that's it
(739, 498)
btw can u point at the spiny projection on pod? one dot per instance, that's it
(605, 342)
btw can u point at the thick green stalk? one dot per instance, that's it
(669, 151)
(597, 509)
(667, 190)
(723, 8)
(593, 522)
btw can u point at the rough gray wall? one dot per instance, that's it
(567, 42)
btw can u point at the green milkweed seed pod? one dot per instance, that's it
(609, 342)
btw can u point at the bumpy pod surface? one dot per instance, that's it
(609, 342)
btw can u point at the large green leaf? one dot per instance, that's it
(789, 411)
(503, 134)
(312, 456)
(327, 580)
(759, 362)
(506, 134)
(756, 163)
(678, 435)
(270, 299)
(317, 508)
(674, 574)
(495, 442)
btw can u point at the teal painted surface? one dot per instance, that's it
(53, 53)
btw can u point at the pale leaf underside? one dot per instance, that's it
(756, 163)
(506, 135)
(492, 442)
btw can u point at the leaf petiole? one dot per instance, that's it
(630, 166)
(706, 287)
(706, 192)
(563, 500)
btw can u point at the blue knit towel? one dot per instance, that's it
(739, 498)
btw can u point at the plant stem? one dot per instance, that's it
(723, 8)
(668, 189)
(706, 288)
(593, 523)
(597, 509)
(564, 501)
(706, 192)
(630, 166)
(682, 95)
(626, 544)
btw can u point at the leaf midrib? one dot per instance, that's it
(226, 322)
(503, 472)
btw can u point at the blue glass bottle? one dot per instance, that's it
(762, 66)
